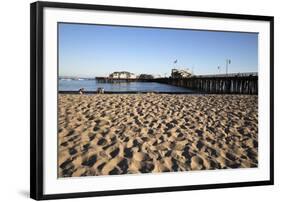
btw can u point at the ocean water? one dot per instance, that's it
(92, 85)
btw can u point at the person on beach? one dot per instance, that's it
(100, 91)
(81, 91)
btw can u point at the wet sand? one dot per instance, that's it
(144, 133)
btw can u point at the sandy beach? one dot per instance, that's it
(143, 133)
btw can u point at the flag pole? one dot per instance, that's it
(228, 61)
(226, 69)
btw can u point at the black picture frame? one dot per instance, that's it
(36, 99)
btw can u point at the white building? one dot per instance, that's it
(181, 73)
(122, 75)
(156, 76)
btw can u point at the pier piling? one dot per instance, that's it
(226, 84)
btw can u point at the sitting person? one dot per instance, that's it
(100, 91)
(81, 91)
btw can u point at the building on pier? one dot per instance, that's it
(122, 75)
(181, 73)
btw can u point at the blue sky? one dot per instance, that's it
(97, 50)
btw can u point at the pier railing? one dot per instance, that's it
(246, 74)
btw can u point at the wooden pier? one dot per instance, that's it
(113, 80)
(243, 83)
(232, 84)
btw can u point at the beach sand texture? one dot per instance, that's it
(142, 133)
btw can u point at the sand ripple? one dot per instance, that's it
(122, 134)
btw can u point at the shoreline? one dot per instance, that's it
(125, 92)
(73, 92)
